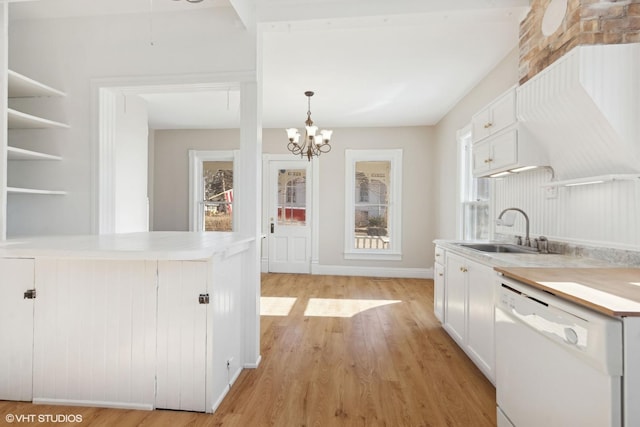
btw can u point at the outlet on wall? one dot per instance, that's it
(229, 362)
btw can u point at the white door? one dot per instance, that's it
(289, 233)
(182, 335)
(16, 329)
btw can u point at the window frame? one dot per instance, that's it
(196, 183)
(468, 188)
(394, 222)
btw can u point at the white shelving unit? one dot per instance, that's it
(23, 87)
(19, 120)
(20, 86)
(14, 153)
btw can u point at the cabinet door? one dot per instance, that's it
(438, 292)
(503, 112)
(16, 329)
(504, 150)
(480, 326)
(182, 336)
(481, 155)
(455, 297)
(480, 125)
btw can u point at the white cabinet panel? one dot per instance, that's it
(469, 309)
(100, 349)
(480, 330)
(16, 329)
(182, 335)
(496, 116)
(438, 291)
(456, 298)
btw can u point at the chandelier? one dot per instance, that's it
(312, 144)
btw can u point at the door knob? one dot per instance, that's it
(272, 228)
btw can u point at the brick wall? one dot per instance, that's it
(586, 22)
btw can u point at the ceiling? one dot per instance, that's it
(370, 62)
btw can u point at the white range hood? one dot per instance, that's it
(584, 110)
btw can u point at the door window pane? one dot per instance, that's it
(218, 195)
(292, 197)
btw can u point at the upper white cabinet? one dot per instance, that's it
(495, 116)
(500, 142)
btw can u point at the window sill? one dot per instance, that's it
(377, 256)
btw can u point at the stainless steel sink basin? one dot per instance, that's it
(500, 247)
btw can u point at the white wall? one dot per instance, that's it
(419, 205)
(71, 54)
(131, 212)
(503, 76)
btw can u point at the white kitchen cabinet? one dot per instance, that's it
(16, 329)
(438, 284)
(496, 154)
(508, 150)
(438, 292)
(496, 116)
(469, 307)
(95, 332)
(137, 321)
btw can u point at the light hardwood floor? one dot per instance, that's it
(336, 351)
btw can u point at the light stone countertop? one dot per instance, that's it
(600, 285)
(499, 259)
(161, 245)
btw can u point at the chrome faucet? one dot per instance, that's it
(527, 242)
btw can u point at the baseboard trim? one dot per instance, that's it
(349, 270)
(94, 403)
(254, 365)
(342, 270)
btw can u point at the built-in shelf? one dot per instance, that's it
(19, 120)
(18, 190)
(14, 153)
(592, 180)
(23, 87)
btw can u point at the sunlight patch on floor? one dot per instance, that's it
(276, 306)
(329, 307)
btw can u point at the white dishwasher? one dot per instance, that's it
(557, 363)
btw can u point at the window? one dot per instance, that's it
(292, 197)
(373, 205)
(474, 194)
(211, 190)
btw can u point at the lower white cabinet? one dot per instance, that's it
(138, 334)
(438, 284)
(16, 329)
(469, 309)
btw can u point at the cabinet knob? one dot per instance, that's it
(488, 125)
(463, 269)
(440, 274)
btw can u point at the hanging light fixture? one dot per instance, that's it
(192, 1)
(312, 144)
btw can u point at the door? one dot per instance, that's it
(16, 329)
(289, 233)
(182, 335)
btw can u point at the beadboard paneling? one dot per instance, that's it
(605, 214)
(116, 325)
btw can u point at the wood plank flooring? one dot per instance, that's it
(336, 351)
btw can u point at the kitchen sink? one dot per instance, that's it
(500, 247)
